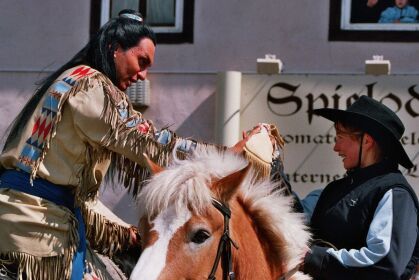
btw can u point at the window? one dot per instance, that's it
(354, 20)
(172, 20)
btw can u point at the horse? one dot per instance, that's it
(207, 217)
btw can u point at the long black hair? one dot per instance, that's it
(124, 31)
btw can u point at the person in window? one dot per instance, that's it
(368, 11)
(78, 126)
(401, 12)
(369, 218)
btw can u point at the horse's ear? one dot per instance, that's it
(152, 166)
(226, 187)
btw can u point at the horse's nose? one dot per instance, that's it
(150, 265)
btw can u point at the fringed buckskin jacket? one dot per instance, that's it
(82, 123)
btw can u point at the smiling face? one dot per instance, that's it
(132, 64)
(347, 146)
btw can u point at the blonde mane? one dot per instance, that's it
(185, 184)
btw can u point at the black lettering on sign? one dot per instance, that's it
(409, 106)
(321, 179)
(351, 99)
(396, 100)
(410, 139)
(289, 99)
(370, 89)
(413, 172)
(310, 138)
(311, 100)
(284, 100)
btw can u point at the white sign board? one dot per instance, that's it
(289, 100)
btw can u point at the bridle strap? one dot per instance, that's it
(224, 246)
(290, 272)
(224, 249)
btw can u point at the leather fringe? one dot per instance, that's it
(105, 236)
(262, 168)
(54, 268)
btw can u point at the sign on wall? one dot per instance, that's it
(289, 101)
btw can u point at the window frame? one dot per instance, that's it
(340, 30)
(181, 33)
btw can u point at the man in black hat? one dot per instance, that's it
(370, 216)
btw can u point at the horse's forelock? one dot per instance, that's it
(186, 183)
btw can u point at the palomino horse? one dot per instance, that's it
(209, 208)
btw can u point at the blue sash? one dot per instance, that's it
(18, 180)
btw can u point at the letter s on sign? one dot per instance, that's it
(274, 99)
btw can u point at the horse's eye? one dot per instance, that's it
(200, 236)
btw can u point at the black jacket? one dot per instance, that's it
(372, 213)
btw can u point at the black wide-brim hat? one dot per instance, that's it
(377, 120)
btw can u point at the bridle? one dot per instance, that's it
(224, 249)
(224, 246)
(287, 275)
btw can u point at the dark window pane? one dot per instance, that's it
(161, 12)
(118, 5)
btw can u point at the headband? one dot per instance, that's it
(131, 16)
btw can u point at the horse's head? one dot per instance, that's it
(180, 227)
